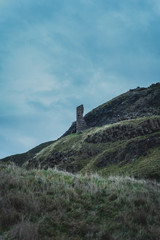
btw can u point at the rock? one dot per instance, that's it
(132, 150)
(132, 104)
(124, 132)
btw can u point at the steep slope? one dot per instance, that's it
(20, 159)
(126, 147)
(139, 102)
(122, 137)
(48, 204)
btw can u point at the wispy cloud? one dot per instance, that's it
(55, 55)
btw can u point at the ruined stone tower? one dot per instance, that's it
(80, 123)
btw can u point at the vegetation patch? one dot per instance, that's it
(51, 204)
(143, 167)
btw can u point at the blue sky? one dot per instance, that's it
(57, 54)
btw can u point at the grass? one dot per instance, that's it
(51, 204)
(111, 102)
(143, 167)
(146, 166)
(86, 156)
(75, 141)
(62, 144)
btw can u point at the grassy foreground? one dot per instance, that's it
(50, 204)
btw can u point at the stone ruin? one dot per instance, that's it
(80, 122)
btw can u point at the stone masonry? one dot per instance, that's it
(80, 123)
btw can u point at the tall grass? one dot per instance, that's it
(51, 204)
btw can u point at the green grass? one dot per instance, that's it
(112, 101)
(143, 167)
(75, 141)
(84, 157)
(147, 166)
(51, 204)
(60, 145)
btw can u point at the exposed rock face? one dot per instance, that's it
(139, 102)
(133, 150)
(138, 139)
(80, 123)
(125, 132)
(122, 142)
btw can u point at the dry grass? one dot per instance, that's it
(50, 204)
(24, 230)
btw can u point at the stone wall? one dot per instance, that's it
(80, 122)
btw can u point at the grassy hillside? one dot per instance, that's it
(130, 147)
(21, 158)
(123, 137)
(50, 204)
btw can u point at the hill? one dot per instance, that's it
(21, 158)
(130, 147)
(123, 137)
(100, 193)
(136, 103)
(50, 204)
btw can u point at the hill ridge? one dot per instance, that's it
(135, 103)
(123, 136)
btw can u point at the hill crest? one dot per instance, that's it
(123, 137)
(136, 103)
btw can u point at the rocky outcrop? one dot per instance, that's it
(139, 102)
(54, 159)
(64, 159)
(131, 151)
(137, 136)
(125, 132)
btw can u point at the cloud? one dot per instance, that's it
(26, 141)
(155, 5)
(56, 54)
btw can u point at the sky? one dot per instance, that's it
(58, 54)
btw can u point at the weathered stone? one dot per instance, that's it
(80, 123)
